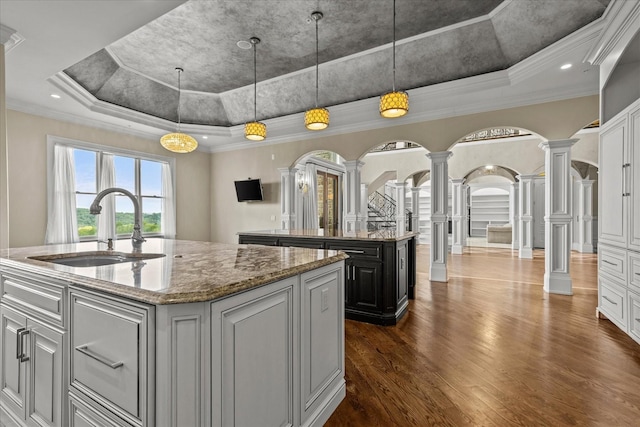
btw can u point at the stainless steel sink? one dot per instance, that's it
(95, 258)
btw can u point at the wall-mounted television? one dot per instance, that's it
(248, 190)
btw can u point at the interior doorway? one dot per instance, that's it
(328, 191)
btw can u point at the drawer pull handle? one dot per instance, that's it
(20, 333)
(85, 350)
(609, 262)
(352, 251)
(611, 301)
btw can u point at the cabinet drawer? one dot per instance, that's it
(84, 414)
(107, 352)
(303, 243)
(357, 249)
(634, 315)
(43, 299)
(634, 271)
(612, 302)
(613, 262)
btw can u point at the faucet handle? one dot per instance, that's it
(109, 243)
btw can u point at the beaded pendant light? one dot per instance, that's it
(255, 130)
(179, 142)
(316, 118)
(395, 103)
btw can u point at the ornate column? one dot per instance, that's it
(288, 190)
(354, 219)
(514, 214)
(585, 219)
(401, 189)
(364, 200)
(439, 206)
(557, 215)
(525, 208)
(458, 216)
(415, 209)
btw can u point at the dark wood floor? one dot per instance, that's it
(491, 348)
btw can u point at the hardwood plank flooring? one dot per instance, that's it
(491, 348)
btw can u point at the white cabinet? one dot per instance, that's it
(32, 356)
(619, 220)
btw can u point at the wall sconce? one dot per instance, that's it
(302, 183)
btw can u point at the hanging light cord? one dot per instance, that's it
(394, 45)
(317, 19)
(180, 70)
(255, 85)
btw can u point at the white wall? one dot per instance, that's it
(27, 171)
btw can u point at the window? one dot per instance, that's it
(141, 174)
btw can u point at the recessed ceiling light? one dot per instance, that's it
(55, 95)
(565, 67)
(205, 137)
(244, 44)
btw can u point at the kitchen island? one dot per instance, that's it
(380, 273)
(182, 333)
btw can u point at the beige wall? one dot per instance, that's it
(555, 120)
(4, 201)
(27, 170)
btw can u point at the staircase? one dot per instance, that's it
(382, 212)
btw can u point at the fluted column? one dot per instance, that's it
(415, 209)
(458, 215)
(525, 207)
(288, 190)
(354, 219)
(585, 219)
(557, 215)
(401, 189)
(439, 207)
(514, 214)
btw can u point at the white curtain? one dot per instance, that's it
(107, 217)
(168, 205)
(310, 198)
(62, 223)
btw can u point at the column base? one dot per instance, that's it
(558, 283)
(525, 253)
(515, 245)
(438, 273)
(457, 249)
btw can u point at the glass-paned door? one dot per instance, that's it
(328, 197)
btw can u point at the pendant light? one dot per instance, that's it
(179, 142)
(255, 130)
(395, 103)
(316, 118)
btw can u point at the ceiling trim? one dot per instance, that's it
(10, 38)
(621, 17)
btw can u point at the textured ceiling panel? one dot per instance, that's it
(138, 93)
(525, 27)
(355, 52)
(94, 71)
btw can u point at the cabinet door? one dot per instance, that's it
(613, 214)
(252, 358)
(12, 371)
(633, 178)
(44, 408)
(366, 285)
(402, 271)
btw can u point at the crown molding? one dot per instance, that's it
(10, 38)
(553, 54)
(622, 20)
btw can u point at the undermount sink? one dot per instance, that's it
(95, 258)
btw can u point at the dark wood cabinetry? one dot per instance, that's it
(379, 274)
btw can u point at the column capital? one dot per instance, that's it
(586, 182)
(440, 156)
(287, 171)
(415, 189)
(527, 177)
(457, 181)
(557, 144)
(353, 164)
(399, 184)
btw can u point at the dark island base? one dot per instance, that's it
(379, 274)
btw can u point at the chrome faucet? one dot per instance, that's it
(136, 237)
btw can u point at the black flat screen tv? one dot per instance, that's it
(248, 190)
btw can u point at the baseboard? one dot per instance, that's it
(322, 414)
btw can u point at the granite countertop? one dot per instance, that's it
(379, 235)
(189, 272)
